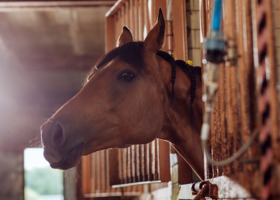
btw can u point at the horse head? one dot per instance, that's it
(124, 101)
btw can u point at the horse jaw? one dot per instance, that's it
(178, 127)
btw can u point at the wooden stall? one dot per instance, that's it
(235, 115)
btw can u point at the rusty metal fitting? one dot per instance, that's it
(204, 189)
(231, 54)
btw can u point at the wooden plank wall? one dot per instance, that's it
(235, 117)
(235, 114)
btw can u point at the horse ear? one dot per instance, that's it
(125, 37)
(155, 37)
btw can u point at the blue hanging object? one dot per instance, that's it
(215, 44)
(217, 15)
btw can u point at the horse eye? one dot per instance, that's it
(126, 76)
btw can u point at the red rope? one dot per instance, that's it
(265, 137)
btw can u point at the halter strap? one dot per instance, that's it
(189, 70)
(166, 56)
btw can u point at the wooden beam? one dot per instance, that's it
(21, 5)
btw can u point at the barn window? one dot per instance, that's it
(38, 175)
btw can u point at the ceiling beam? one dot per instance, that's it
(23, 5)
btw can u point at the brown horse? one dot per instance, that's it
(130, 98)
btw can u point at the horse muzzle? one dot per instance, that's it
(59, 153)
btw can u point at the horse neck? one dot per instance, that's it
(182, 126)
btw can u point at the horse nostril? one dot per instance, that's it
(58, 135)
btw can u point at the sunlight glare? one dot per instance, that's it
(34, 158)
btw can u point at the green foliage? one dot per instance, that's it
(44, 181)
(30, 194)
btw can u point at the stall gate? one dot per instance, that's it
(235, 114)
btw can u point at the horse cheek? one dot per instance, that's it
(154, 115)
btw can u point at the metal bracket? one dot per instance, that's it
(204, 189)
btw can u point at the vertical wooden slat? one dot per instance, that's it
(133, 164)
(137, 163)
(218, 123)
(148, 161)
(120, 161)
(135, 19)
(103, 171)
(273, 80)
(249, 61)
(213, 139)
(92, 175)
(143, 162)
(204, 19)
(97, 172)
(86, 175)
(124, 154)
(141, 19)
(152, 159)
(115, 173)
(246, 74)
(118, 26)
(126, 14)
(130, 16)
(128, 155)
(147, 25)
(179, 29)
(123, 18)
(241, 24)
(110, 33)
(164, 149)
(132, 169)
(231, 82)
(157, 172)
(222, 115)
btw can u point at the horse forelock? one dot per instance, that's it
(130, 53)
